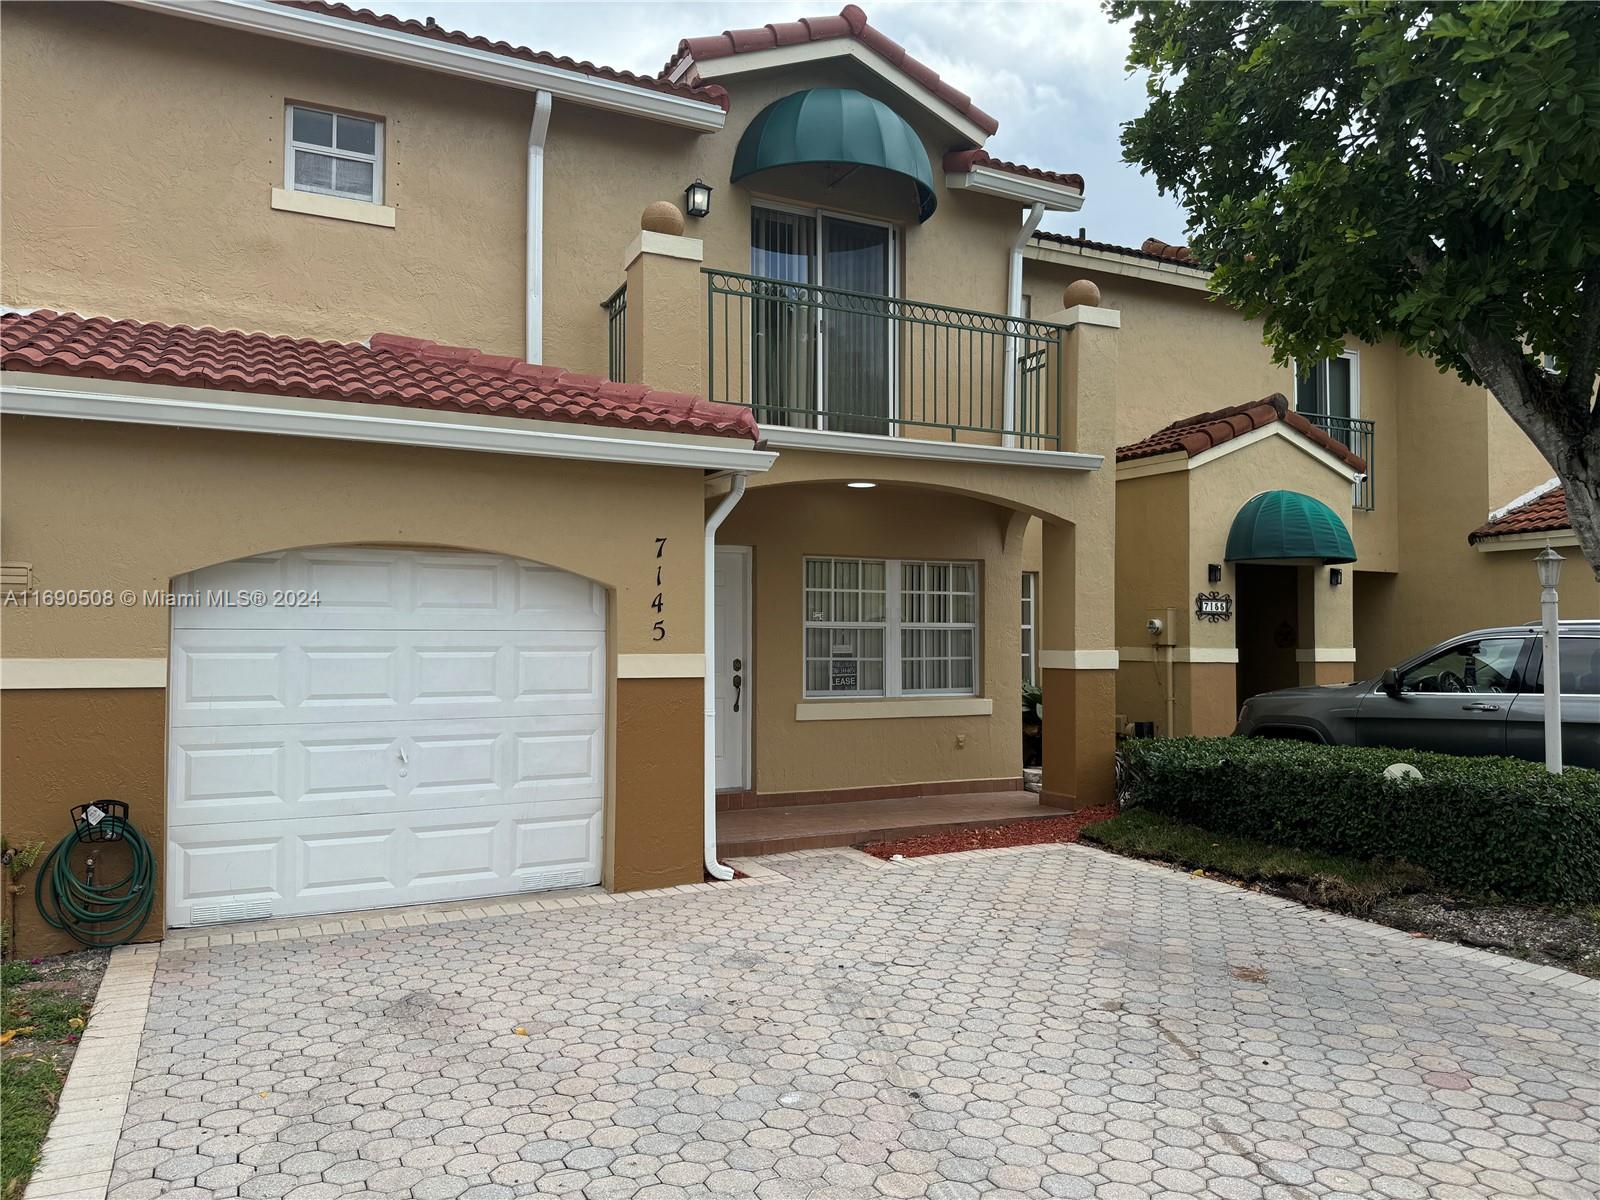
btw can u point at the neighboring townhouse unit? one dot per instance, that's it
(435, 468)
(1303, 524)
(796, 429)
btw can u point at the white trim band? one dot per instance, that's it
(1082, 258)
(1183, 654)
(42, 674)
(1008, 185)
(781, 437)
(872, 710)
(1330, 654)
(200, 408)
(1079, 660)
(334, 207)
(837, 47)
(667, 245)
(661, 666)
(1088, 314)
(355, 37)
(1526, 541)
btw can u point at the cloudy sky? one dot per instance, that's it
(1051, 71)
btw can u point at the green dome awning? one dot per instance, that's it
(835, 125)
(1278, 525)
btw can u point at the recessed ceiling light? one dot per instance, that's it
(860, 483)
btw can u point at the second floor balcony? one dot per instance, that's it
(1359, 435)
(803, 356)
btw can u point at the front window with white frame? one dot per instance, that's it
(890, 627)
(333, 154)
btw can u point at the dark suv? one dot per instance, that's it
(1482, 693)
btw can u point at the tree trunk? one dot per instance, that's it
(1566, 434)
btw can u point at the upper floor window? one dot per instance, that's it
(332, 154)
(1331, 388)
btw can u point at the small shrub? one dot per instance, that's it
(1493, 826)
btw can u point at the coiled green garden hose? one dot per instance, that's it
(97, 914)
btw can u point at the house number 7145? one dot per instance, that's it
(658, 631)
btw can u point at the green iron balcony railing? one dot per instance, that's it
(616, 306)
(822, 358)
(1358, 435)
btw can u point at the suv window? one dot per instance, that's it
(1482, 665)
(1580, 667)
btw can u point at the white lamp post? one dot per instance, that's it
(1549, 563)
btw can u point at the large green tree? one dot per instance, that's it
(1426, 171)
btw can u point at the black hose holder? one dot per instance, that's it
(100, 820)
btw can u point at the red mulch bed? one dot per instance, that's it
(1032, 832)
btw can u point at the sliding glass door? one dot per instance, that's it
(822, 354)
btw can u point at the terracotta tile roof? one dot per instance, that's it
(709, 93)
(1544, 513)
(850, 23)
(960, 162)
(1160, 249)
(401, 371)
(1154, 249)
(1199, 433)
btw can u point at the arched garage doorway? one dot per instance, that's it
(356, 727)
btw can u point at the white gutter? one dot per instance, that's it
(533, 308)
(1008, 403)
(23, 394)
(714, 522)
(354, 37)
(1058, 197)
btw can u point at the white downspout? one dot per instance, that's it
(714, 522)
(1008, 412)
(533, 305)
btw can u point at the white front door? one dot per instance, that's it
(414, 726)
(731, 667)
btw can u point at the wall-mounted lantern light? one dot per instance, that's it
(1335, 576)
(697, 199)
(1213, 572)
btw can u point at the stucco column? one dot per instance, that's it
(1326, 653)
(665, 336)
(1078, 658)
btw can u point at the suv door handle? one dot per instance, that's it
(1480, 708)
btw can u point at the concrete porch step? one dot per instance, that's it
(750, 832)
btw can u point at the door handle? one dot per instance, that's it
(1480, 708)
(738, 689)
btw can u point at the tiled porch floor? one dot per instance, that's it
(806, 826)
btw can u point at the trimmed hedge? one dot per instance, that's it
(1495, 826)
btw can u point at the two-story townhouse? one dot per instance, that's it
(434, 468)
(1296, 524)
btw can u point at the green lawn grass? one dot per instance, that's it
(28, 1091)
(1345, 883)
(30, 1076)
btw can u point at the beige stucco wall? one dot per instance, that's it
(602, 170)
(783, 525)
(1461, 457)
(141, 152)
(1216, 493)
(148, 504)
(1194, 355)
(164, 137)
(1170, 527)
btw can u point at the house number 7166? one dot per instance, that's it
(658, 631)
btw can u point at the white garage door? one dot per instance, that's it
(429, 727)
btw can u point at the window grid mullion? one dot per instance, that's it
(893, 684)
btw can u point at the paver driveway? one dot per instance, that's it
(1044, 1021)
